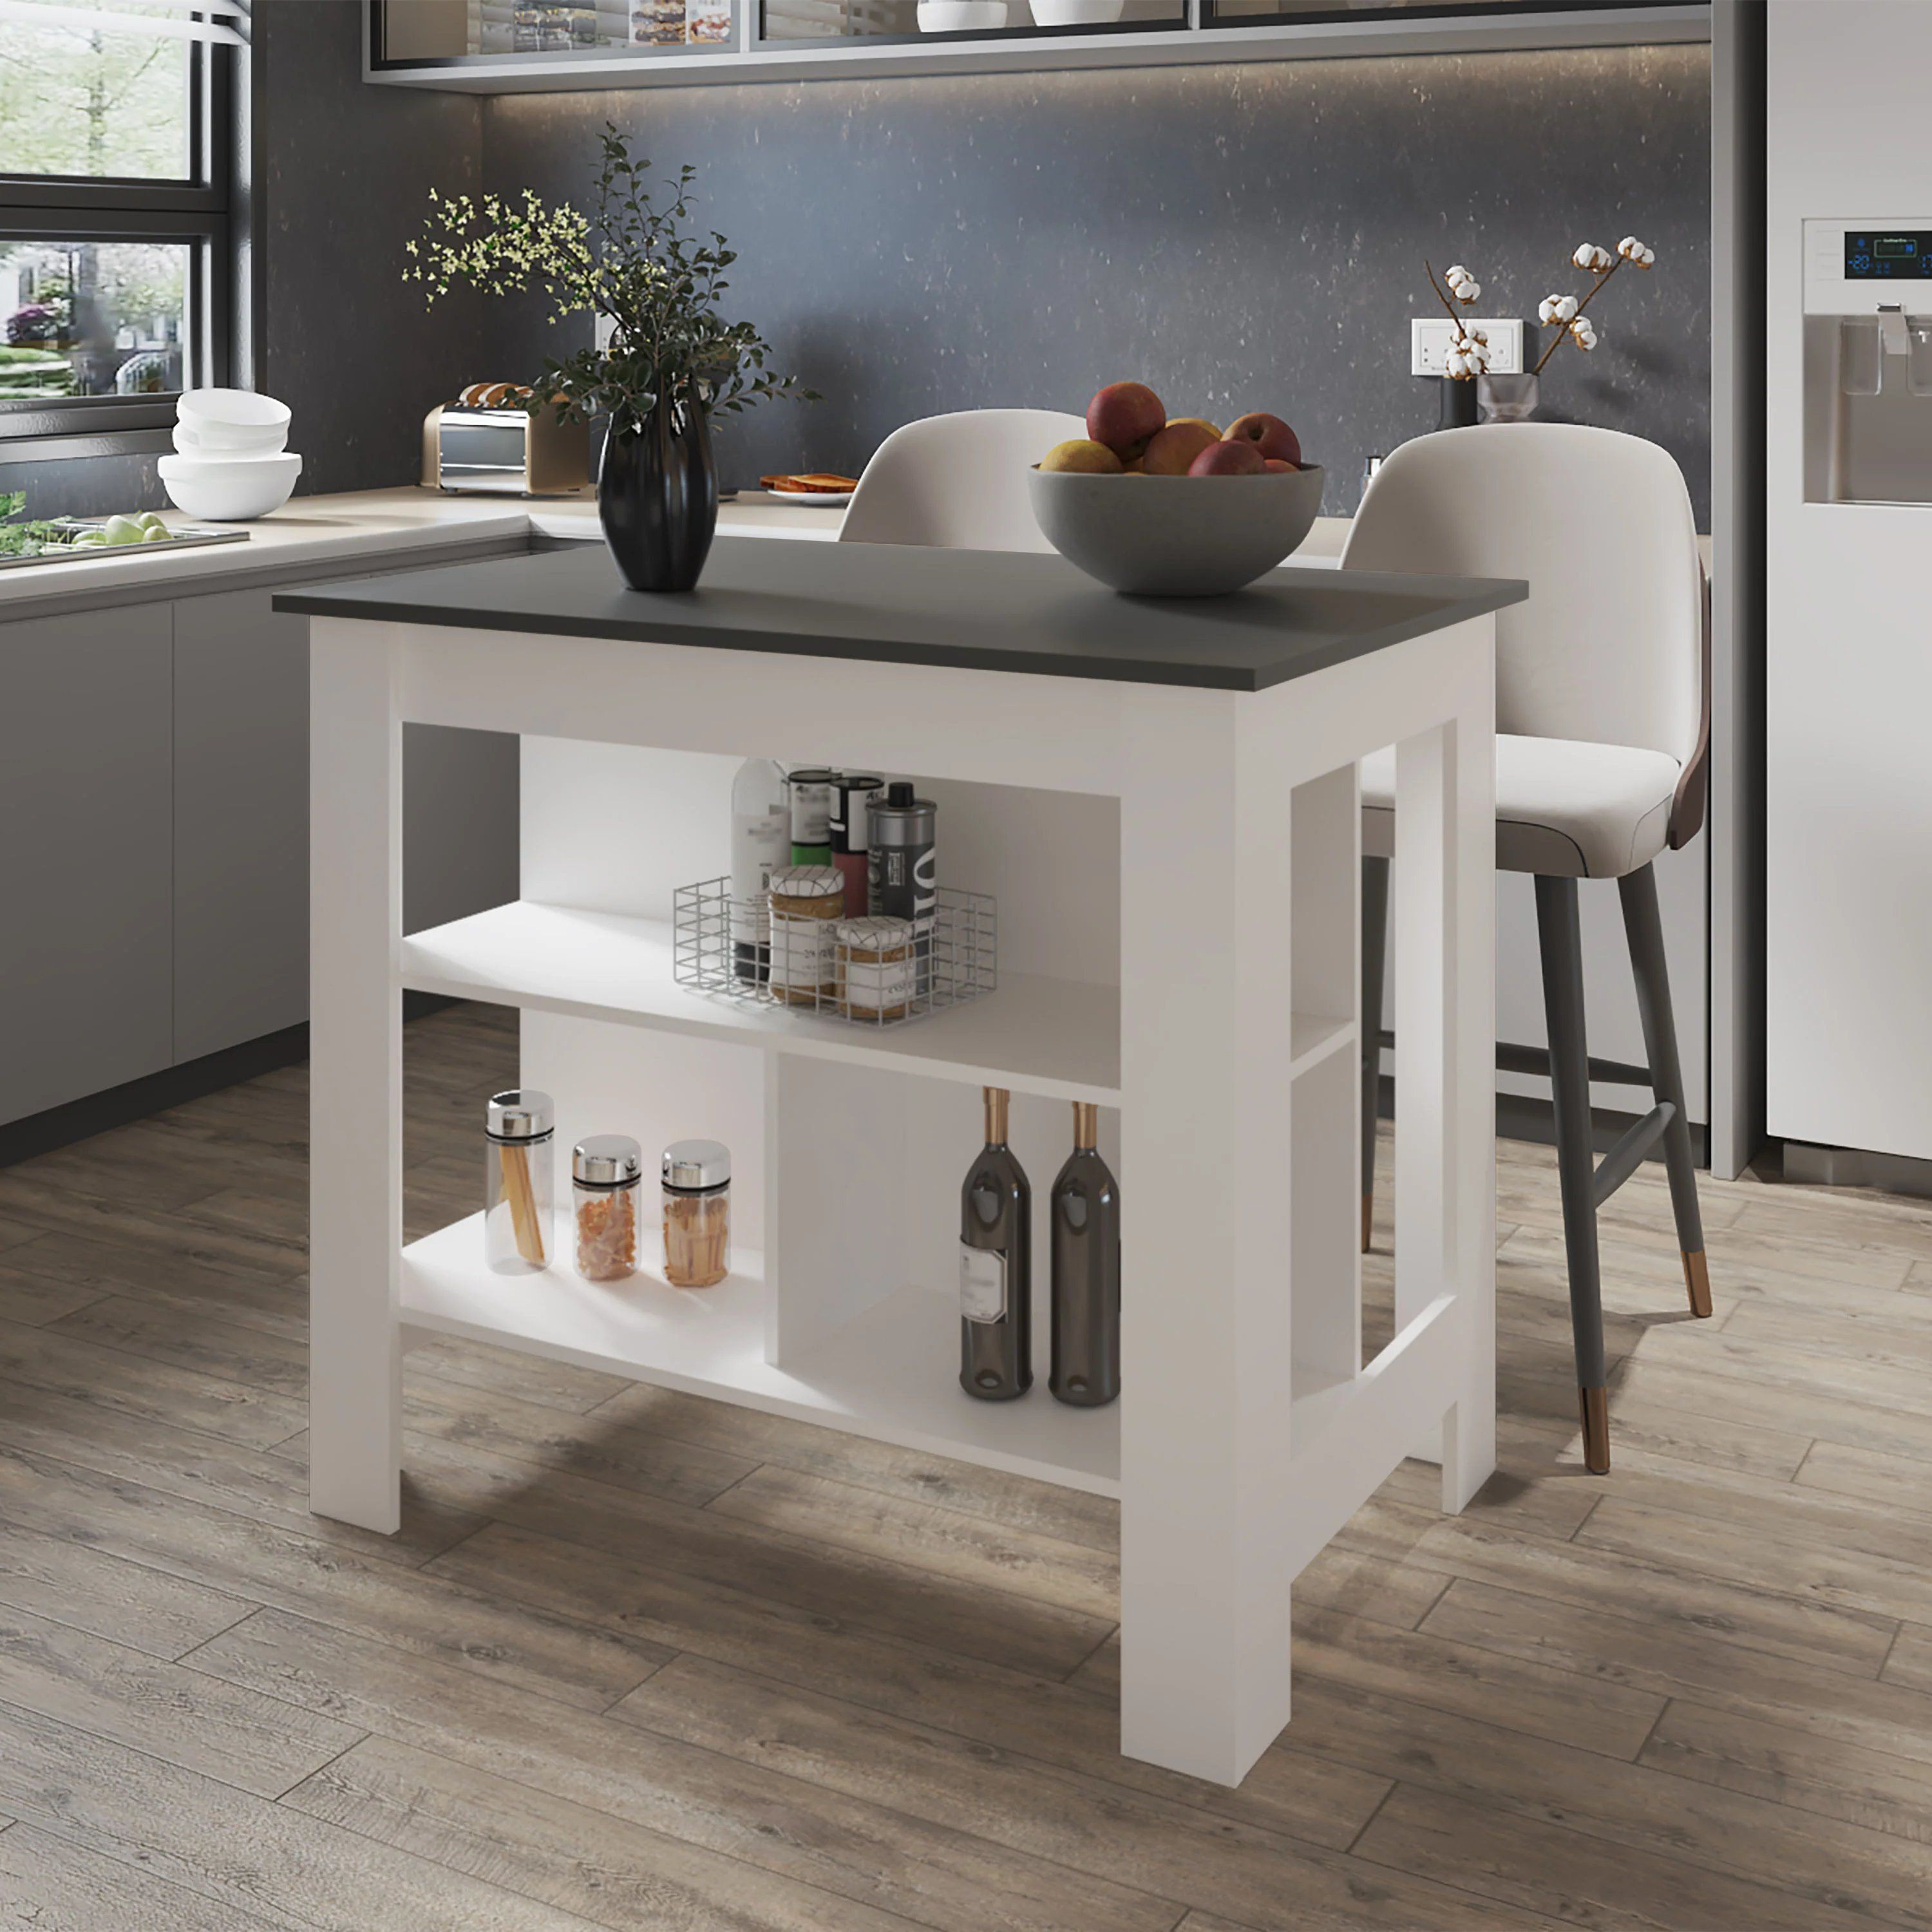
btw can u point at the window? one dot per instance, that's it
(115, 163)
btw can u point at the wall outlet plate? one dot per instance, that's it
(1429, 337)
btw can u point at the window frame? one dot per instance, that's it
(197, 210)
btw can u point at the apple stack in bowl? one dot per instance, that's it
(230, 465)
(1174, 506)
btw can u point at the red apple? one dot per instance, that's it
(1228, 459)
(1269, 434)
(1124, 416)
(1176, 445)
(1276, 467)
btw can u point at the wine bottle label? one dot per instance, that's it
(982, 1284)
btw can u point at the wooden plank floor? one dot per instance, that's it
(638, 1661)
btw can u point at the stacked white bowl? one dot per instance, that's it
(228, 464)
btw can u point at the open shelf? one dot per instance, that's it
(1061, 1038)
(888, 1373)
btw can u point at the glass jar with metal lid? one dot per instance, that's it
(604, 1174)
(697, 1213)
(520, 1131)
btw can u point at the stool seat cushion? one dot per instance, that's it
(1565, 808)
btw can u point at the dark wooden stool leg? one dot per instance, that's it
(1374, 953)
(1644, 930)
(1562, 939)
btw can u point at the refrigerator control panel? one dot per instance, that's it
(1856, 268)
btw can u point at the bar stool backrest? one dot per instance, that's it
(1609, 648)
(957, 482)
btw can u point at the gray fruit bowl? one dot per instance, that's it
(1175, 536)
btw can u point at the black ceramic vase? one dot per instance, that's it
(657, 498)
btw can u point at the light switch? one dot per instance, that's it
(1429, 337)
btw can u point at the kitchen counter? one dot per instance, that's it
(1162, 798)
(326, 533)
(322, 534)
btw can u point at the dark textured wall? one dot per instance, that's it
(345, 169)
(342, 172)
(1241, 237)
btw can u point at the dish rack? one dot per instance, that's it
(959, 961)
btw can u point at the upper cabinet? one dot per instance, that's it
(502, 46)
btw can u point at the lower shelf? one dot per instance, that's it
(887, 1374)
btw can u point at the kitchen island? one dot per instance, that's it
(1163, 795)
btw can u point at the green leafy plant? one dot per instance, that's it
(634, 263)
(24, 539)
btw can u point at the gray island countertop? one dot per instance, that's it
(971, 610)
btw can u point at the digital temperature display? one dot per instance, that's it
(1873, 257)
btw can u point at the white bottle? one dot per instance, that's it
(760, 844)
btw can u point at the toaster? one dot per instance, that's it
(486, 442)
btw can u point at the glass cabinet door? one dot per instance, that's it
(425, 33)
(791, 21)
(1307, 13)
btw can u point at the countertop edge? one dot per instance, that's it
(1497, 594)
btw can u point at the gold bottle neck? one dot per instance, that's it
(1086, 1126)
(996, 1100)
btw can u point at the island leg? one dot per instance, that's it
(1206, 1370)
(354, 1078)
(1444, 879)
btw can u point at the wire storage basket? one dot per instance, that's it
(874, 973)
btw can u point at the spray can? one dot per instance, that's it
(851, 795)
(904, 870)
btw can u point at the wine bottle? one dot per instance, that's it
(1085, 1246)
(760, 842)
(996, 1267)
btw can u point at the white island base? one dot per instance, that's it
(1176, 870)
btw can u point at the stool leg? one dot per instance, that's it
(1561, 940)
(1644, 928)
(1375, 954)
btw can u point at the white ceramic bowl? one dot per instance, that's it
(233, 419)
(1175, 536)
(229, 489)
(960, 16)
(225, 440)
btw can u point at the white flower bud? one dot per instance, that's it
(1455, 273)
(1467, 290)
(1584, 332)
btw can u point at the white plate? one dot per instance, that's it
(813, 499)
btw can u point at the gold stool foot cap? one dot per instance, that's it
(1697, 1280)
(1596, 1409)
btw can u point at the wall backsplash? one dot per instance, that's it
(1242, 237)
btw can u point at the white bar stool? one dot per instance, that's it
(957, 482)
(1603, 723)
